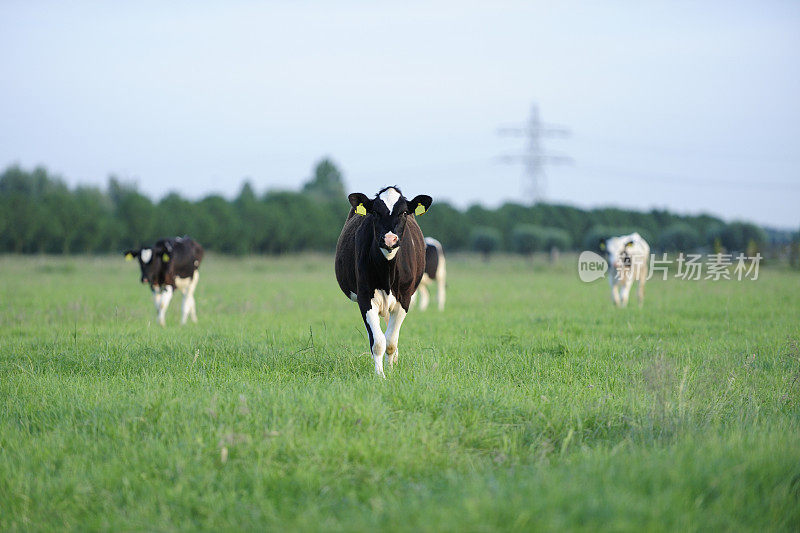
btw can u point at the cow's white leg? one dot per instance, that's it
(413, 298)
(378, 347)
(193, 309)
(166, 297)
(615, 294)
(640, 288)
(440, 286)
(640, 291)
(188, 304)
(157, 300)
(396, 316)
(625, 292)
(424, 297)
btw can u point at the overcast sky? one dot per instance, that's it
(692, 106)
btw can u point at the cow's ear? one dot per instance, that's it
(420, 204)
(130, 254)
(360, 203)
(602, 244)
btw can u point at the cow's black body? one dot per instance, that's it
(431, 260)
(185, 256)
(167, 265)
(361, 268)
(380, 260)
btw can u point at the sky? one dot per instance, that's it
(688, 106)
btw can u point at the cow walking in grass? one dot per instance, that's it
(627, 257)
(168, 265)
(435, 270)
(380, 260)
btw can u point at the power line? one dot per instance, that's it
(535, 158)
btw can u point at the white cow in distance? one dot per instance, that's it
(627, 257)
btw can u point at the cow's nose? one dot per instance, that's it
(390, 239)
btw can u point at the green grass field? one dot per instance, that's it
(530, 403)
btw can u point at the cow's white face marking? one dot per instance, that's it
(389, 254)
(146, 254)
(390, 197)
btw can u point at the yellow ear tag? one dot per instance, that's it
(128, 256)
(165, 258)
(602, 246)
(419, 210)
(361, 210)
(630, 244)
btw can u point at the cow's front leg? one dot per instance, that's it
(377, 340)
(625, 292)
(166, 297)
(188, 304)
(424, 297)
(186, 307)
(615, 294)
(396, 316)
(193, 308)
(440, 288)
(157, 299)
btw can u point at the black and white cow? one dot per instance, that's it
(435, 270)
(627, 257)
(171, 264)
(380, 260)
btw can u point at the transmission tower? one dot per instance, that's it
(535, 158)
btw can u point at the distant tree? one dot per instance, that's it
(250, 213)
(40, 213)
(177, 216)
(528, 238)
(743, 237)
(557, 239)
(485, 240)
(679, 237)
(219, 225)
(794, 250)
(134, 212)
(446, 224)
(26, 198)
(326, 183)
(94, 222)
(713, 236)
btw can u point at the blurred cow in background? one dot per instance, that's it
(435, 270)
(167, 265)
(627, 257)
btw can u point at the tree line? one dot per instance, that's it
(39, 213)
